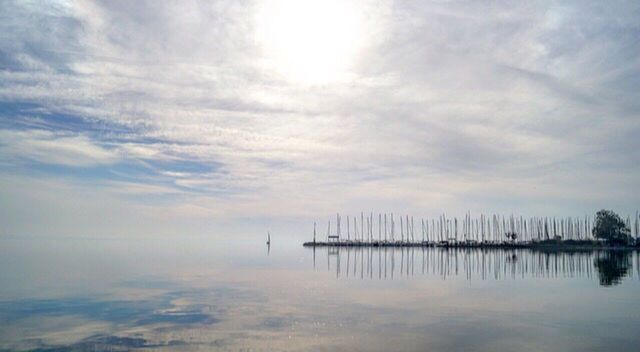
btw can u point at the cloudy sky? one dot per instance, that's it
(138, 117)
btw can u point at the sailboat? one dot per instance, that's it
(268, 239)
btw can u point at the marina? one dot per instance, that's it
(494, 231)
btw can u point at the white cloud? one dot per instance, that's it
(448, 105)
(53, 148)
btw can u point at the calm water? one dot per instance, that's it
(198, 294)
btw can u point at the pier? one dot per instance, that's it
(494, 231)
(548, 244)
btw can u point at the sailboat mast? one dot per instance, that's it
(385, 227)
(348, 231)
(379, 227)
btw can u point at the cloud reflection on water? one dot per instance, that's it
(438, 300)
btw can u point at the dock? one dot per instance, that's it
(551, 244)
(485, 231)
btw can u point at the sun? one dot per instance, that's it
(310, 42)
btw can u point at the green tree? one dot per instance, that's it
(610, 227)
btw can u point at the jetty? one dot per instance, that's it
(546, 244)
(494, 231)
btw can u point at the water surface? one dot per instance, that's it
(200, 294)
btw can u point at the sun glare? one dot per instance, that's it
(310, 42)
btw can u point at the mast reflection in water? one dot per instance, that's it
(610, 267)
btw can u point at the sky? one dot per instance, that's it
(133, 118)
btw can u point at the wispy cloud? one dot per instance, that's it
(53, 148)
